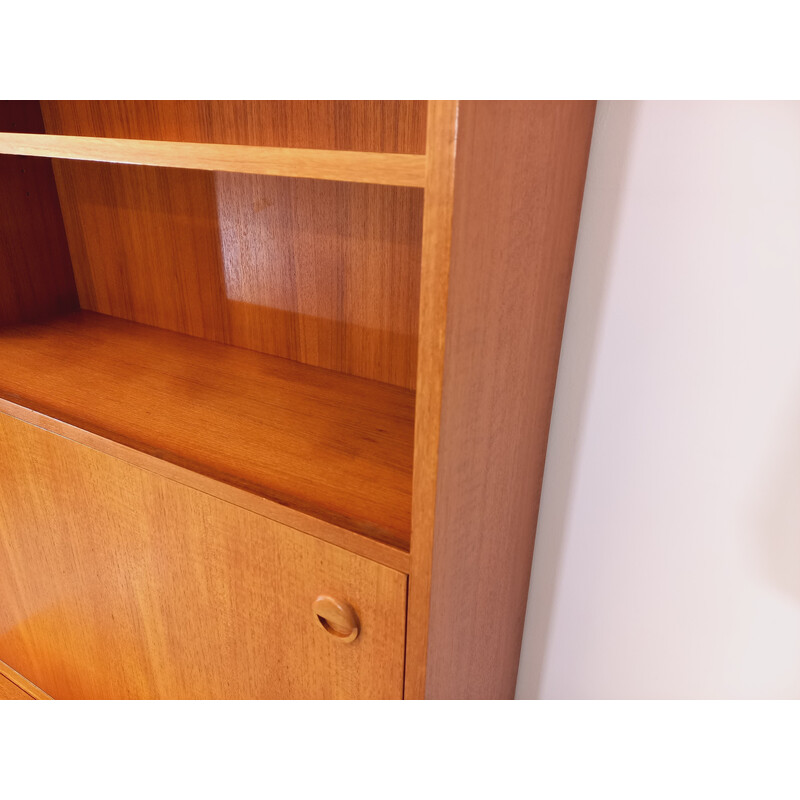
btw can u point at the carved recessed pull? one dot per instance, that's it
(336, 617)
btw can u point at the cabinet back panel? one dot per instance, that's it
(35, 273)
(321, 272)
(384, 126)
(21, 116)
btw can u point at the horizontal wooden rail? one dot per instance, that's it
(18, 686)
(332, 165)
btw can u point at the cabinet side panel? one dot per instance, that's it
(35, 271)
(520, 171)
(382, 126)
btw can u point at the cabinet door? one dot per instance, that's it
(118, 583)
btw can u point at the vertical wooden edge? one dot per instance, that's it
(436, 235)
(485, 390)
(23, 683)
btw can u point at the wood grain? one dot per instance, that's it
(12, 683)
(35, 271)
(320, 442)
(383, 126)
(116, 583)
(329, 165)
(322, 273)
(519, 177)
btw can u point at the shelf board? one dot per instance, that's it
(333, 447)
(333, 165)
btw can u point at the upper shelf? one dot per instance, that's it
(333, 165)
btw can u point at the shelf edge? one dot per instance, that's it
(390, 169)
(22, 683)
(352, 541)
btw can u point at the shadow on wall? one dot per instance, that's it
(776, 540)
(605, 187)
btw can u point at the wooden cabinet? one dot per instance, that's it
(275, 385)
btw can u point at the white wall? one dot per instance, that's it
(667, 561)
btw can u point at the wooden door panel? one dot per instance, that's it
(118, 583)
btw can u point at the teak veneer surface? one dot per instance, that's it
(381, 126)
(119, 583)
(321, 272)
(327, 444)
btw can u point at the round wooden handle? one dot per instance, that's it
(336, 617)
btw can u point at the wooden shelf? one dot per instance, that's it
(328, 445)
(333, 165)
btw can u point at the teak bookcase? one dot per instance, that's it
(275, 388)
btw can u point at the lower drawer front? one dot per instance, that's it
(118, 583)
